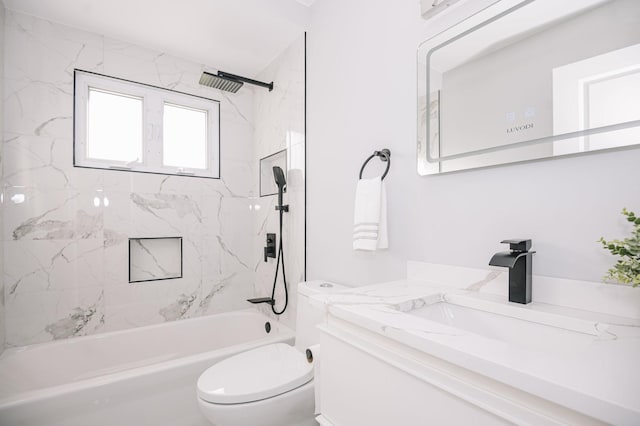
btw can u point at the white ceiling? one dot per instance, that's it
(237, 36)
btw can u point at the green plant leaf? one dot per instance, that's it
(627, 269)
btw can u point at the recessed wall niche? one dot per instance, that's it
(267, 181)
(152, 259)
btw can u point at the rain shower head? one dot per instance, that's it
(229, 82)
(220, 82)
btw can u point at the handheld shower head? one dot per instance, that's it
(278, 175)
(281, 182)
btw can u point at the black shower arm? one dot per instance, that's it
(246, 80)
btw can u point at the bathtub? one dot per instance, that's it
(142, 376)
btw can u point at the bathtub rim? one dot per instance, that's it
(284, 334)
(11, 350)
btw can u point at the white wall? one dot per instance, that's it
(2, 321)
(361, 97)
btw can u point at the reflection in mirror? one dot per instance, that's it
(524, 80)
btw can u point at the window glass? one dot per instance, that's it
(123, 125)
(184, 137)
(114, 127)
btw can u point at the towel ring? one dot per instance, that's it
(385, 155)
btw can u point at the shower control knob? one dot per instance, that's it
(270, 249)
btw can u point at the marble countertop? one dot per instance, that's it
(593, 370)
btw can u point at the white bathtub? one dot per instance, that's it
(142, 376)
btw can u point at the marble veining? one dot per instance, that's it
(66, 229)
(32, 158)
(477, 286)
(278, 117)
(586, 359)
(40, 265)
(226, 249)
(40, 128)
(83, 225)
(179, 308)
(76, 321)
(205, 302)
(112, 238)
(183, 205)
(153, 259)
(228, 99)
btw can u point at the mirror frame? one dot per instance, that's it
(478, 20)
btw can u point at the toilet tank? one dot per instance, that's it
(311, 312)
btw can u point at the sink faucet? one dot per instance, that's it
(518, 260)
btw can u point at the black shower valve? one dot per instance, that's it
(270, 248)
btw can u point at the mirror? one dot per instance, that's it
(524, 80)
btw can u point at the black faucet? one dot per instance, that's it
(518, 260)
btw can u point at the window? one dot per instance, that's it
(124, 125)
(114, 126)
(185, 137)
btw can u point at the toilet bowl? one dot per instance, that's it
(270, 385)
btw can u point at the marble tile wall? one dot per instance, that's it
(2, 321)
(280, 124)
(66, 229)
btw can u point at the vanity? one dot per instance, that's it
(512, 81)
(445, 346)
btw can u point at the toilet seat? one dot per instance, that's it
(254, 375)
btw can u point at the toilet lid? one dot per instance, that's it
(253, 375)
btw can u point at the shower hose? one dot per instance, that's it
(284, 275)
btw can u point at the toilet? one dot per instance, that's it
(271, 385)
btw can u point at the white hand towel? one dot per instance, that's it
(370, 215)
